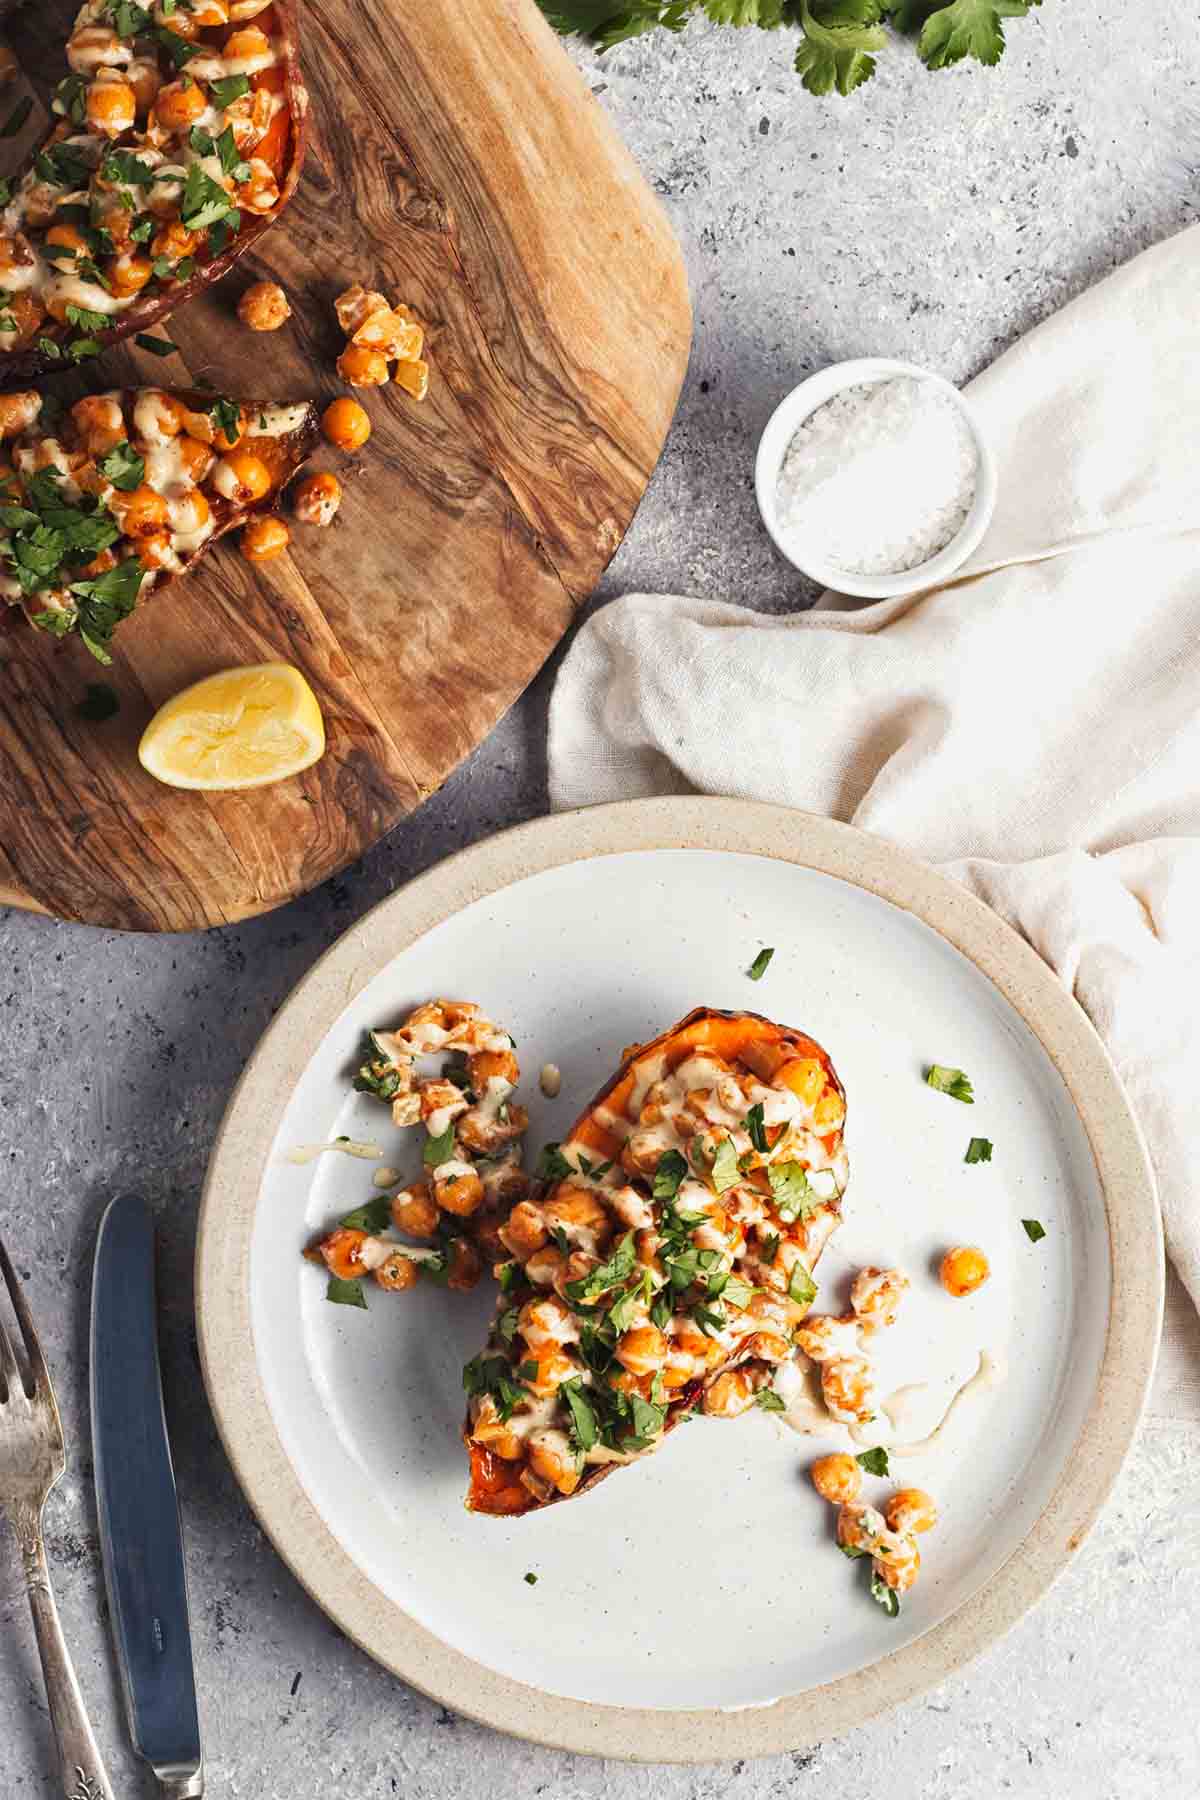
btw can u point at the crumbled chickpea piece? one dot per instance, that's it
(264, 306)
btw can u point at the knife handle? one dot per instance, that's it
(82, 1772)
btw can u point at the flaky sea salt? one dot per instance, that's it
(877, 480)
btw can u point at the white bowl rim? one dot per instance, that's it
(803, 400)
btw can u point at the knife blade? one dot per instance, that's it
(140, 1537)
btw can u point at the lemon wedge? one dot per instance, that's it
(240, 729)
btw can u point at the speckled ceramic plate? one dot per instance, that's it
(694, 1606)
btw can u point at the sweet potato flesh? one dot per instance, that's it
(674, 1238)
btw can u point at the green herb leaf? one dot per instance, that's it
(204, 200)
(725, 1171)
(737, 1293)
(506, 1324)
(129, 20)
(372, 1217)
(624, 1311)
(123, 467)
(669, 1172)
(124, 168)
(81, 348)
(793, 1197)
(159, 346)
(99, 702)
(224, 92)
(801, 1287)
(979, 1150)
(610, 1274)
(887, 1597)
(531, 1578)
(102, 604)
(561, 1240)
(950, 1081)
(769, 1400)
(177, 48)
(552, 1165)
(756, 1128)
(439, 1150)
(853, 1551)
(583, 1420)
(1034, 1230)
(761, 963)
(345, 1293)
(712, 1320)
(48, 347)
(768, 1250)
(874, 1461)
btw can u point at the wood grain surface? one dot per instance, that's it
(456, 162)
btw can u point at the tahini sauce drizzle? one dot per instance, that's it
(306, 1153)
(991, 1373)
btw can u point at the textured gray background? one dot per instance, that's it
(934, 218)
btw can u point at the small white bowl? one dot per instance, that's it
(782, 426)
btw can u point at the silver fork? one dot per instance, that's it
(32, 1459)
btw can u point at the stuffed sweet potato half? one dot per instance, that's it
(115, 497)
(664, 1262)
(178, 139)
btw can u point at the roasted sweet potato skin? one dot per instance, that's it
(494, 1486)
(22, 367)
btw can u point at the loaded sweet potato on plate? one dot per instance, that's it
(178, 139)
(665, 1263)
(125, 491)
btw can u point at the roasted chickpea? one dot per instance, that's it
(141, 512)
(250, 44)
(154, 551)
(17, 413)
(100, 423)
(129, 273)
(260, 190)
(848, 1389)
(362, 368)
(642, 1350)
(964, 1269)
(179, 104)
(190, 513)
(551, 1457)
(26, 312)
(397, 1273)
(860, 1527)
(545, 1266)
(144, 78)
(10, 68)
(95, 47)
(318, 498)
(99, 565)
(546, 1320)
(553, 1368)
(345, 423)
(174, 241)
(897, 1564)
(196, 459)
(730, 1395)
(414, 1210)
(341, 1252)
(413, 377)
(264, 306)
(264, 538)
(911, 1510)
(356, 304)
(457, 1193)
(241, 477)
(876, 1296)
(487, 1065)
(578, 1209)
(525, 1231)
(67, 237)
(837, 1478)
(111, 105)
(824, 1338)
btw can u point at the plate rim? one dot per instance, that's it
(233, 1185)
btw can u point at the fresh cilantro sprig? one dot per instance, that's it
(839, 39)
(950, 1081)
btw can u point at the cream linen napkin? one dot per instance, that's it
(1033, 727)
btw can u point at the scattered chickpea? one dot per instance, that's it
(964, 1269)
(837, 1478)
(361, 367)
(911, 1510)
(264, 538)
(264, 307)
(396, 1274)
(413, 377)
(318, 498)
(345, 424)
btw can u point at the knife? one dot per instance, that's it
(138, 1506)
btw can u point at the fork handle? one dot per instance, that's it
(81, 1771)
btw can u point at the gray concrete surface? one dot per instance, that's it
(932, 218)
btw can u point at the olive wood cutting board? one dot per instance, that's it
(457, 162)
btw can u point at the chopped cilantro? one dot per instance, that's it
(530, 1578)
(1034, 1230)
(439, 1150)
(669, 1172)
(506, 1325)
(736, 1292)
(583, 1419)
(768, 1250)
(794, 1198)
(492, 1375)
(853, 1551)
(123, 467)
(86, 321)
(129, 20)
(755, 1127)
(80, 348)
(346, 1293)
(204, 200)
(552, 1164)
(759, 966)
(124, 167)
(226, 91)
(769, 1400)
(160, 346)
(177, 48)
(950, 1081)
(561, 1240)
(610, 1274)
(371, 1217)
(61, 165)
(801, 1287)
(874, 1461)
(624, 1311)
(887, 1597)
(979, 1150)
(101, 604)
(710, 1319)
(725, 1169)
(509, 1275)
